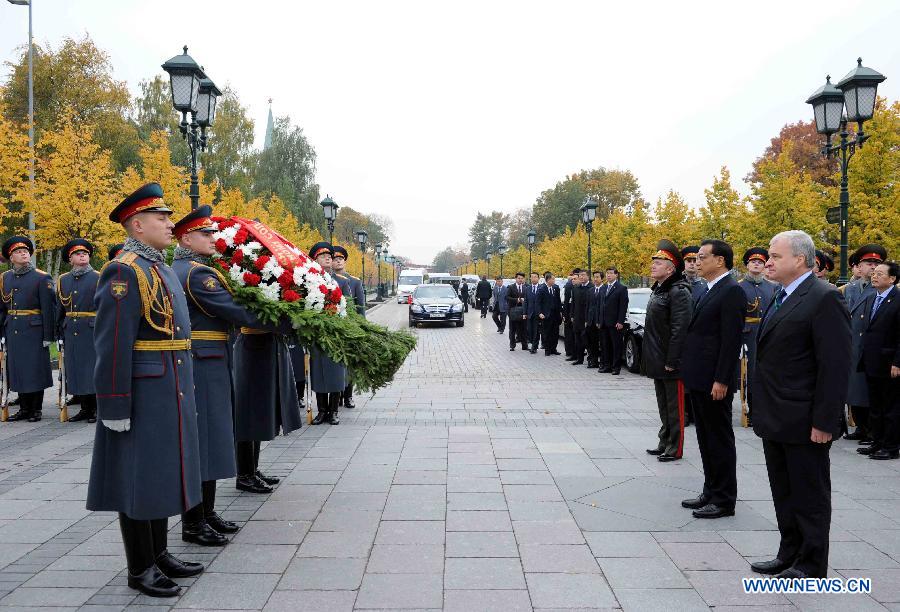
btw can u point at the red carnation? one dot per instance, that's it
(238, 257)
(221, 245)
(241, 236)
(336, 294)
(261, 261)
(251, 279)
(286, 279)
(323, 289)
(290, 295)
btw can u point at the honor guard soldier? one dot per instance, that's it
(28, 320)
(328, 378)
(759, 292)
(691, 273)
(355, 291)
(824, 265)
(856, 292)
(214, 314)
(76, 319)
(265, 400)
(146, 462)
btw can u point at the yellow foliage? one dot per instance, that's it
(14, 158)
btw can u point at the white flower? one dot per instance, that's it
(227, 235)
(270, 291)
(237, 275)
(250, 250)
(271, 269)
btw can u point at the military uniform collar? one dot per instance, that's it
(139, 248)
(186, 253)
(23, 270)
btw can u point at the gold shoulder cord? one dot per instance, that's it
(187, 286)
(150, 302)
(6, 297)
(65, 300)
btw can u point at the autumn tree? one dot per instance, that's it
(229, 160)
(674, 219)
(487, 233)
(806, 153)
(723, 212)
(14, 167)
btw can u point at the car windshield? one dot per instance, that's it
(410, 280)
(637, 303)
(436, 291)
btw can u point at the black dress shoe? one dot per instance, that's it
(252, 484)
(605, 370)
(856, 435)
(92, 418)
(75, 400)
(665, 458)
(654, 451)
(866, 442)
(883, 455)
(176, 568)
(578, 362)
(221, 525)
(694, 503)
(201, 533)
(570, 358)
(269, 480)
(21, 415)
(791, 572)
(84, 415)
(154, 583)
(348, 403)
(35, 417)
(533, 351)
(512, 348)
(867, 450)
(770, 568)
(556, 353)
(616, 372)
(712, 511)
(321, 417)
(333, 418)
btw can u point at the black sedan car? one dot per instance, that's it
(634, 327)
(435, 304)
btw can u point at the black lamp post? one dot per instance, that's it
(856, 92)
(588, 214)
(502, 249)
(386, 257)
(532, 237)
(192, 92)
(361, 237)
(329, 207)
(487, 256)
(378, 265)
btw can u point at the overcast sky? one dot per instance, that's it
(428, 111)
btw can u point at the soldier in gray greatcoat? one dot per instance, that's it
(214, 315)
(146, 461)
(856, 292)
(75, 319)
(328, 378)
(355, 291)
(759, 293)
(28, 321)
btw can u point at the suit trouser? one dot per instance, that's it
(499, 319)
(715, 437)
(800, 478)
(579, 342)
(592, 340)
(670, 401)
(884, 412)
(550, 335)
(568, 338)
(534, 331)
(517, 333)
(612, 346)
(860, 416)
(484, 308)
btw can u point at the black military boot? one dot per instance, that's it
(35, 401)
(22, 415)
(347, 397)
(209, 510)
(322, 407)
(269, 480)
(196, 530)
(333, 418)
(165, 561)
(246, 468)
(143, 574)
(88, 410)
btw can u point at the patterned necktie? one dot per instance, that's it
(779, 300)
(877, 304)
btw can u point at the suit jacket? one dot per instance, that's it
(802, 365)
(614, 305)
(579, 307)
(483, 290)
(532, 308)
(549, 303)
(713, 342)
(567, 298)
(881, 340)
(500, 298)
(595, 298)
(513, 294)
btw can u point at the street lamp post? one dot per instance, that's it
(856, 91)
(588, 214)
(386, 257)
(192, 92)
(361, 237)
(30, 113)
(329, 208)
(487, 255)
(475, 261)
(532, 237)
(502, 249)
(378, 266)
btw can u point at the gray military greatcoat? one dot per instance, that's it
(76, 319)
(28, 319)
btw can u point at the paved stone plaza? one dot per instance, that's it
(480, 480)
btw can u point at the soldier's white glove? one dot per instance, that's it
(46, 343)
(119, 425)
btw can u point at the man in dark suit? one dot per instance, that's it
(578, 314)
(712, 349)
(612, 321)
(515, 302)
(880, 360)
(568, 340)
(483, 295)
(500, 309)
(550, 309)
(596, 292)
(802, 366)
(532, 311)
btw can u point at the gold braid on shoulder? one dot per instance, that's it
(65, 300)
(6, 297)
(153, 299)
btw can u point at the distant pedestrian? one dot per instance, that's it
(483, 295)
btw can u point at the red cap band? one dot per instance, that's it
(660, 254)
(870, 256)
(76, 248)
(196, 224)
(137, 207)
(758, 256)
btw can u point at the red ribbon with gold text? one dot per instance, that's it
(272, 240)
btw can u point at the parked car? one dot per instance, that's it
(435, 304)
(634, 327)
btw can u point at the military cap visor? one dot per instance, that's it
(196, 221)
(871, 252)
(319, 248)
(756, 253)
(15, 243)
(339, 250)
(690, 252)
(145, 199)
(78, 244)
(668, 250)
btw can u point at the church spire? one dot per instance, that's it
(270, 128)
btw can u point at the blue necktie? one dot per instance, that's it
(877, 304)
(779, 300)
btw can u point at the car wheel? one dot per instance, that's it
(632, 354)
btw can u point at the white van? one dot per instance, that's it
(410, 278)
